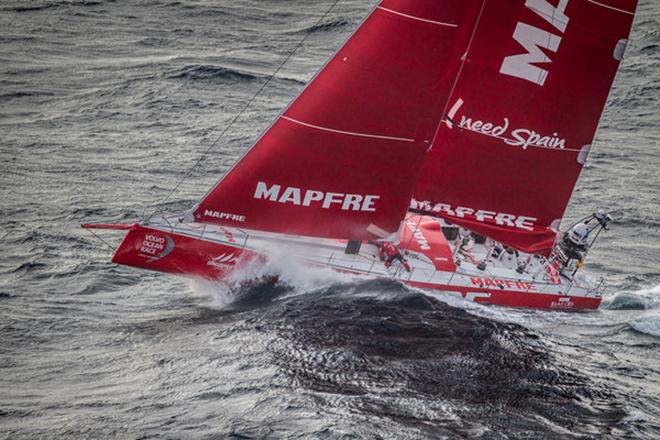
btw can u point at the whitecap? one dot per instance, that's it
(641, 299)
(649, 324)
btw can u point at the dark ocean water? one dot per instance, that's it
(104, 105)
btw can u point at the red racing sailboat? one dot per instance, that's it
(453, 130)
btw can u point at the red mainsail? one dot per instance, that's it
(342, 159)
(520, 121)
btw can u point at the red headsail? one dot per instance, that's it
(342, 159)
(521, 119)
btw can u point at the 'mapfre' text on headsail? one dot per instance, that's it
(535, 40)
(310, 198)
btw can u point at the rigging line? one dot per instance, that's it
(240, 113)
(460, 70)
(112, 249)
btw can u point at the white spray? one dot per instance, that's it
(282, 262)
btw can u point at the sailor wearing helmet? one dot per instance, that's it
(575, 242)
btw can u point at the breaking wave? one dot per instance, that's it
(397, 348)
(279, 271)
(649, 325)
(646, 300)
(641, 299)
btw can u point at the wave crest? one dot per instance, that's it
(642, 299)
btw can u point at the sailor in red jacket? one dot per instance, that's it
(389, 252)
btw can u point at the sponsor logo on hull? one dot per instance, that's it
(223, 261)
(224, 215)
(562, 303)
(503, 284)
(155, 247)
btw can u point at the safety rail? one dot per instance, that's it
(350, 263)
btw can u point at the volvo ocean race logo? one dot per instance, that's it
(518, 137)
(155, 247)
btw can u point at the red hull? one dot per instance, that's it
(153, 249)
(512, 298)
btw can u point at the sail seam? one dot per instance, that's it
(611, 7)
(412, 17)
(350, 133)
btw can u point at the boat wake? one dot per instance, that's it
(414, 363)
(379, 349)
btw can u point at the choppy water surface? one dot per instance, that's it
(105, 104)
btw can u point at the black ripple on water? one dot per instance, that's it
(382, 351)
(324, 27)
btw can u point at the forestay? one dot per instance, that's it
(521, 119)
(341, 160)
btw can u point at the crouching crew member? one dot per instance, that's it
(389, 252)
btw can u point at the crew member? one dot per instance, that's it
(389, 252)
(575, 243)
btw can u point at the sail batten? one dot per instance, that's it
(349, 133)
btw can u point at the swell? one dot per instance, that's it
(218, 74)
